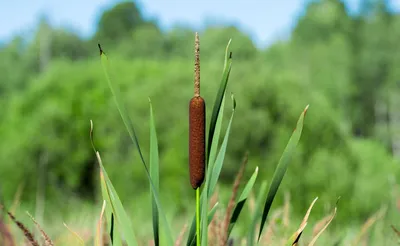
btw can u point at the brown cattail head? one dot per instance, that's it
(197, 136)
(197, 128)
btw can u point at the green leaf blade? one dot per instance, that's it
(242, 200)
(217, 167)
(257, 213)
(281, 168)
(120, 215)
(215, 171)
(131, 130)
(219, 96)
(154, 174)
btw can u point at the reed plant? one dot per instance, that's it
(206, 160)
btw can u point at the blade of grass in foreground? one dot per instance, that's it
(109, 193)
(211, 181)
(122, 220)
(216, 138)
(242, 200)
(294, 239)
(131, 130)
(217, 167)
(76, 235)
(281, 169)
(154, 174)
(219, 96)
(257, 213)
(114, 235)
(324, 228)
(99, 232)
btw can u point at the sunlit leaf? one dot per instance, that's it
(281, 169)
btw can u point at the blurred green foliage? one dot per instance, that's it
(345, 66)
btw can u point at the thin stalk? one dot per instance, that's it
(198, 216)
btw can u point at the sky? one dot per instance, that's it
(264, 20)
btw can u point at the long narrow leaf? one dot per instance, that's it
(120, 105)
(294, 239)
(129, 126)
(108, 209)
(216, 138)
(121, 217)
(110, 195)
(257, 213)
(212, 181)
(217, 167)
(212, 212)
(281, 169)
(76, 235)
(99, 232)
(242, 200)
(220, 95)
(154, 173)
(323, 229)
(115, 235)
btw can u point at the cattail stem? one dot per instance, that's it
(198, 216)
(197, 66)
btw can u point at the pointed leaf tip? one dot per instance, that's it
(233, 101)
(100, 49)
(306, 109)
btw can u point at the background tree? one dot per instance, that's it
(118, 22)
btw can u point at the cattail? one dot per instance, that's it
(197, 127)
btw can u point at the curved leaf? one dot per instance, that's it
(281, 169)
(219, 96)
(242, 200)
(257, 213)
(294, 239)
(154, 174)
(131, 130)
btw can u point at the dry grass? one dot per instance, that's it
(47, 240)
(368, 224)
(28, 235)
(231, 205)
